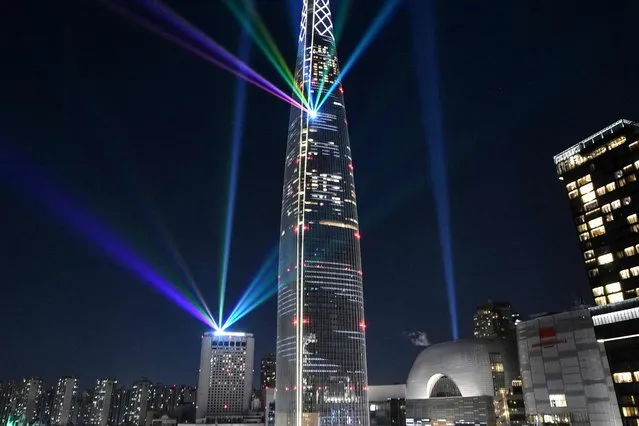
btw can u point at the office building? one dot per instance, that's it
(29, 406)
(516, 411)
(565, 373)
(599, 175)
(102, 401)
(461, 381)
(267, 372)
(321, 349)
(64, 402)
(139, 403)
(387, 405)
(495, 320)
(226, 376)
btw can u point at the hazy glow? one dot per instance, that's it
(426, 61)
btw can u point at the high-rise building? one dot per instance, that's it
(8, 400)
(102, 401)
(226, 376)
(565, 373)
(267, 372)
(599, 175)
(138, 403)
(29, 402)
(321, 347)
(495, 320)
(64, 401)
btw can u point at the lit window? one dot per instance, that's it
(634, 271)
(637, 164)
(604, 259)
(581, 219)
(624, 274)
(615, 204)
(600, 191)
(627, 201)
(629, 251)
(589, 254)
(588, 197)
(573, 194)
(584, 180)
(634, 228)
(598, 291)
(558, 400)
(625, 377)
(611, 187)
(497, 367)
(591, 205)
(595, 222)
(586, 189)
(632, 218)
(584, 237)
(631, 178)
(612, 288)
(621, 183)
(635, 375)
(598, 231)
(606, 208)
(593, 272)
(630, 411)
(618, 174)
(582, 228)
(615, 297)
(609, 217)
(571, 186)
(599, 301)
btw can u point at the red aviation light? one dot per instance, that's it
(350, 166)
(341, 89)
(306, 321)
(226, 406)
(357, 235)
(362, 325)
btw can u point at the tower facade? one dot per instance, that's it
(226, 376)
(494, 320)
(267, 372)
(65, 400)
(321, 347)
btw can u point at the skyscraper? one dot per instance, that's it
(29, 403)
(64, 401)
(102, 401)
(226, 376)
(494, 320)
(321, 347)
(267, 372)
(599, 175)
(138, 403)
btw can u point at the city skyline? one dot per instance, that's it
(98, 120)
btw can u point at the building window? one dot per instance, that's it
(615, 204)
(606, 208)
(631, 178)
(598, 291)
(571, 186)
(600, 191)
(589, 254)
(596, 222)
(632, 218)
(634, 271)
(630, 411)
(609, 217)
(598, 231)
(618, 174)
(582, 228)
(627, 201)
(605, 259)
(584, 180)
(588, 197)
(613, 288)
(615, 297)
(593, 272)
(611, 187)
(625, 377)
(586, 189)
(558, 400)
(624, 274)
(629, 251)
(584, 237)
(591, 205)
(599, 301)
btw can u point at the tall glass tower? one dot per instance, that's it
(321, 348)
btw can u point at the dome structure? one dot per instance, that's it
(463, 368)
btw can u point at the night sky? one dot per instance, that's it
(114, 115)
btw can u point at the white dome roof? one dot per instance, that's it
(465, 362)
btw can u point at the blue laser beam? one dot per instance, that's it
(259, 284)
(236, 148)
(426, 61)
(373, 30)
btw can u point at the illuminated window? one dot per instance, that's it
(631, 178)
(630, 411)
(573, 194)
(599, 301)
(629, 251)
(615, 204)
(632, 218)
(584, 237)
(611, 187)
(586, 189)
(584, 180)
(612, 288)
(624, 274)
(558, 400)
(571, 186)
(634, 271)
(609, 217)
(606, 208)
(593, 272)
(621, 183)
(600, 191)
(625, 377)
(635, 374)
(626, 201)
(616, 142)
(598, 291)
(615, 297)
(582, 228)
(634, 228)
(598, 231)
(591, 262)
(595, 222)
(581, 219)
(604, 259)
(588, 197)
(589, 254)
(497, 367)
(618, 174)
(591, 205)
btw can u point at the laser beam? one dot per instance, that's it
(426, 61)
(42, 190)
(236, 148)
(373, 30)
